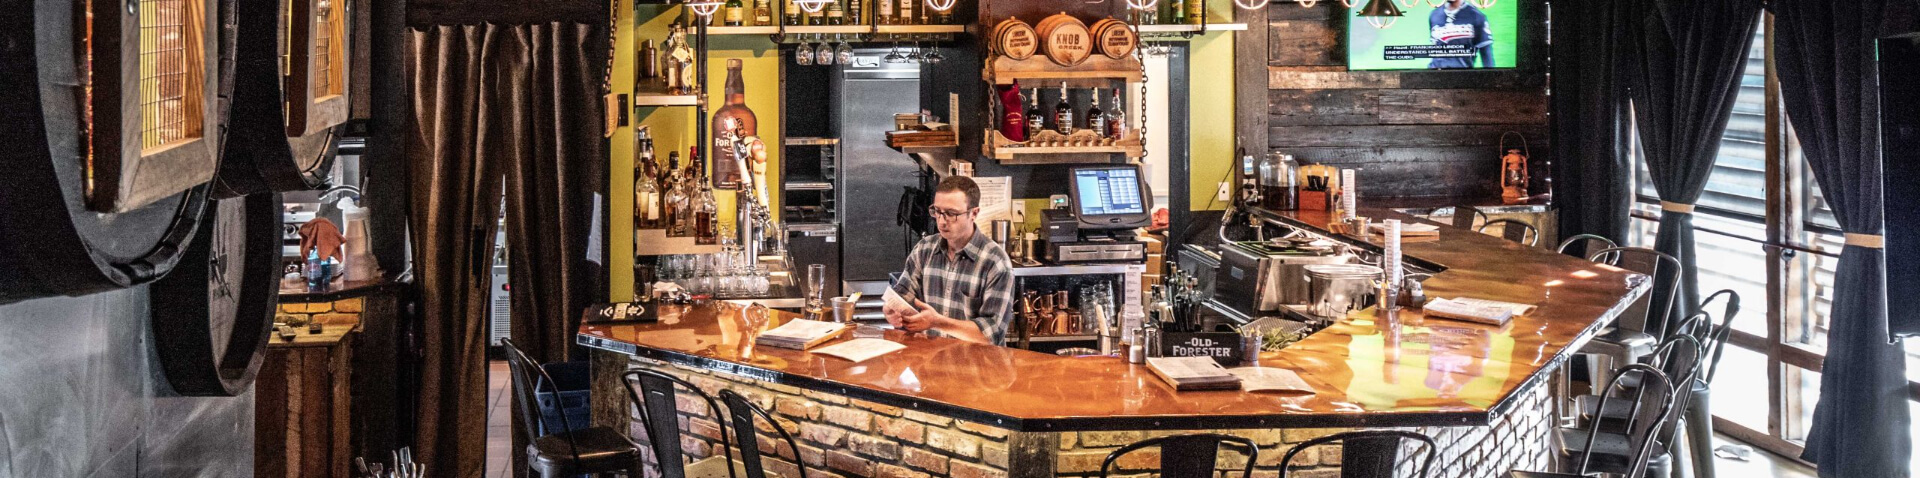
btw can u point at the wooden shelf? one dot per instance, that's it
(913, 29)
(1211, 27)
(653, 93)
(654, 242)
(1091, 73)
(1007, 151)
(758, 30)
(828, 29)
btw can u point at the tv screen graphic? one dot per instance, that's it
(1456, 35)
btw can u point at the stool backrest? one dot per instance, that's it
(1468, 217)
(1680, 358)
(1514, 230)
(1188, 456)
(1653, 404)
(526, 375)
(1654, 264)
(742, 412)
(1350, 465)
(654, 394)
(1716, 339)
(1584, 243)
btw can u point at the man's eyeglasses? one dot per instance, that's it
(945, 214)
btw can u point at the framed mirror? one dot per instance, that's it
(151, 100)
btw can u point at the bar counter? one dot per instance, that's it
(1367, 370)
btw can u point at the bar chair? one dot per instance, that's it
(1651, 408)
(1188, 456)
(1354, 463)
(1698, 413)
(655, 395)
(1514, 230)
(1468, 217)
(1679, 359)
(743, 412)
(1585, 242)
(568, 451)
(1627, 342)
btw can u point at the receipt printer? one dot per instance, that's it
(1060, 225)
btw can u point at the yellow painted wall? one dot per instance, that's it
(673, 127)
(1210, 114)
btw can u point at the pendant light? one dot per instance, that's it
(1380, 13)
(1244, 5)
(704, 8)
(811, 6)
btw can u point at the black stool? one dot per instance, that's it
(1468, 217)
(1514, 230)
(1651, 408)
(568, 451)
(1188, 456)
(656, 398)
(743, 412)
(1367, 453)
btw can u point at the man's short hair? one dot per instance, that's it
(963, 184)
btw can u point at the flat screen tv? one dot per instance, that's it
(1458, 34)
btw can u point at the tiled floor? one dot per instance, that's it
(1760, 465)
(499, 436)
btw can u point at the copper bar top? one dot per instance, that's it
(1424, 372)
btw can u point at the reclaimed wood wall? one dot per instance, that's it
(1428, 134)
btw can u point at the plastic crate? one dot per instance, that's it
(573, 395)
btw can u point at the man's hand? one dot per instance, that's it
(923, 318)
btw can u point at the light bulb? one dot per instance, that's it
(1245, 6)
(704, 8)
(940, 5)
(1145, 4)
(811, 6)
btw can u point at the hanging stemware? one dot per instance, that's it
(803, 54)
(823, 55)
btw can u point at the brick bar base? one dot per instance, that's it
(842, 437)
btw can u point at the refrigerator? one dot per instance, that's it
(874, 181)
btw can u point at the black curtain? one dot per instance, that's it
(1683, 70)
(1590, 137)
(1823, 55)
(494, 105)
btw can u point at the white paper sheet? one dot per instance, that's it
(1269, 379)
(860, 350)
(996, 200)
(802, 330)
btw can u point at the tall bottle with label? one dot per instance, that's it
(1177, 10)
(836, 15)
(817, 18)
(905, 11)
(736, 12)
(1036, 119)
(679, 211)
(1096, 119)
(854, 12)
(733, 119)
(1063, 112)
(883, 15)
(1117, 127)
(646, 186)
(1196, 12)
(762, 13)
(791, 13)
(706, 212)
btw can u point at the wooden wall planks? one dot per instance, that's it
(1412, 133)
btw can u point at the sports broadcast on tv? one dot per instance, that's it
(1456, 35)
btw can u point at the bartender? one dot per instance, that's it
(960, 283)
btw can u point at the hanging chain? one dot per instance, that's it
(1140, 53)
(613, 45)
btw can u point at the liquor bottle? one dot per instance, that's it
(883, 16)
(762, 13)
(1196, 12)
(1035, 118)
(906, 12)
(1178, 10)
(835, 14)
(817, 18)
(1013, 122)
(732, 119)
(1096, 119)
(941, 17)
(1063, 112)
(735, 13)
(854, 12)
(791, 13)
(706, 213)
(678, 210)
(646, 198)
(1117, 127)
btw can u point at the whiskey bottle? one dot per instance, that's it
(1178, 9)
(853, 13)
(706, 214)
(817, 18)
(835, 14)
(884, 16)
(1096, 119)
(1117, 127)
(679, 212)
(791, 13)
(731, 120)
(1035, 118)
(906, 12)
(735, 13)
(1063, 112)
(762, 13)
(1196, 12)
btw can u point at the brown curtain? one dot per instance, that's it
(498, 105)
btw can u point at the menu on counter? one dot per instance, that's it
(1193, 373)
(859, 350)
(800, 334)
(1269, 379)
(1517, 309)
(1461, 310)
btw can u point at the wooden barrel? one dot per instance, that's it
(261, 156)
(211, 316)
(1114, 38)
(97, 198)
(1015, 39)
(1065, 39)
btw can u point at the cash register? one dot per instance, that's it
(1109, 202)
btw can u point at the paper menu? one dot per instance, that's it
(1269, 379)
(893, 300)
(1518, 309)
(802, 330)
(1182, 369)
(860, 350)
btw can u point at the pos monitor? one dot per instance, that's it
(1111, 197)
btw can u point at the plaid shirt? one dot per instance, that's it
(975, 285)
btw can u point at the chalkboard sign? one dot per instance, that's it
(1224, 347)
(619, 312)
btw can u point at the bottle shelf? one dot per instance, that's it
(1008, 151)
(1097, 71)
(757, 30)
(653, 93)
(1210, 27)
(826, 29)
(913, 29)
(654, 242)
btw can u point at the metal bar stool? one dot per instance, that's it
(1679, 359)
(656, 397)
(1626, 342)
(1651, 408)
(1699, 411)
(567, 451)
(1468, 217)
(1367, 453)
(1188, 456)
(743, 412)
(1514, 230)
(1584, 242)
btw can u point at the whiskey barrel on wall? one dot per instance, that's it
(110, 113)
(290, 74)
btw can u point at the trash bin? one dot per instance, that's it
(571, 393)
